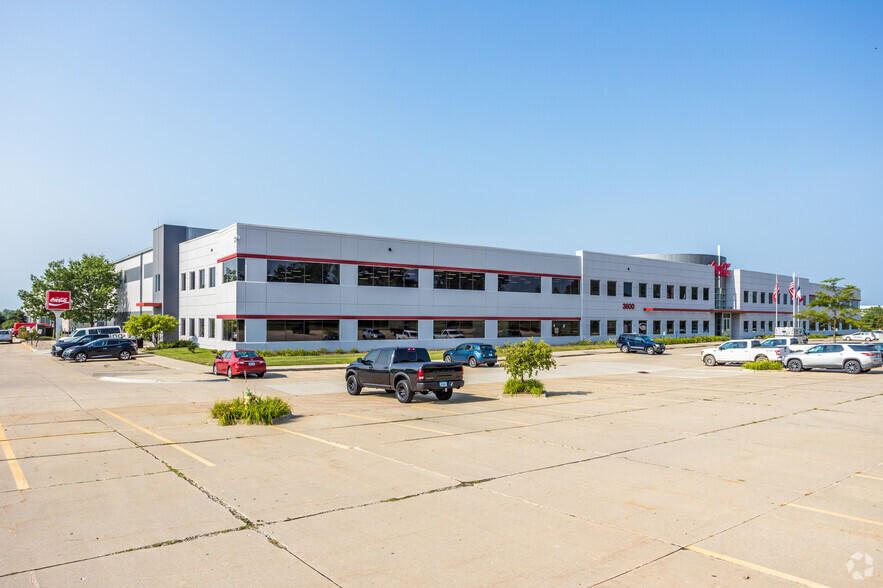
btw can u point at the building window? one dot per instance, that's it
(211, 277)
(455, 329)
(183, 281)
(183, 326)
(657, 327)
(627, 289)
(192, 280)
(202, 327)
(694, 293)
(695, 329)
(657, 290)
(670, 327)
(754, 297)
(705, 327)
(763, 297)
(453, 280)
(642, 327)
(233, 270)
(626, 326)
(611, 287)
(202, 278)
(683, 327)
(669, 292)
(211, 328)
(594, 328)
(565, 328)
(192, 327)
(704, 293)
(386, 276)
(683, 292)
(518, 283)
(518, 328)
(642, 290)
(385, 329)
(302, 272)
(565, 286)
(745, 296)
(745, 326)
(303, 330)
(233, 330)
(157, 282)
(611, 327)
(753, 326)
(595, 287)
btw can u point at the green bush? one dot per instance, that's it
(339, 351)
(300, 352)
(175, 343)
(763, 365)
(817, 336)
(322, 351)
(514, 387)
(250, 410)
(354, 350)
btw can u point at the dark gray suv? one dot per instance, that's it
(632, 342)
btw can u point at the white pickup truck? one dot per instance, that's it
(739, 351)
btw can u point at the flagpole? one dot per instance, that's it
(793, 298)
(776, 294)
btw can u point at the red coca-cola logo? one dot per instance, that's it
(58, 300)
(722, 270)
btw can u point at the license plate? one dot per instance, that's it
(443, 384)
(251, 363)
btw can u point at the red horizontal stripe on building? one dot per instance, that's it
(388, 264)
(715, 310)
(391, 318)
(149, 304)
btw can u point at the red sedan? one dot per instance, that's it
(240, 361)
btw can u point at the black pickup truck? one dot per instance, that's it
(404, 370)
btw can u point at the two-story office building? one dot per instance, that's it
(249, 286)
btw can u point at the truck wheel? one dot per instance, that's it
(444, 394)
(650, 350)
(853, 367)
(624, 348)
(353, 387)
(447, 358)
(473, 362)
(709, 360)
(404, 394)
(794, 365)
(760, 358)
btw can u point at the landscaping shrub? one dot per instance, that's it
(763, 365)
(250, 410)
(514, 387)
(175, 343)
(339, 351)
(300, 352)
(354, 350)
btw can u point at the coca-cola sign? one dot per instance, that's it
(722, 270)
(58, 300)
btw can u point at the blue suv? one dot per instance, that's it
(631, 342)
(472, 354)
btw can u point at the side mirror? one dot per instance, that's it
(218, 356)
(360, 360)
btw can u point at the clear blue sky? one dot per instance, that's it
(623, 127)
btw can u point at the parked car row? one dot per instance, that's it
(853, 358)
(95, 346)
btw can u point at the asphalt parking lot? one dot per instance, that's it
(635, 470)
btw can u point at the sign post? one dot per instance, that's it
(58, 301)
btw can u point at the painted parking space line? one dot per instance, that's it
(161, 438)
(355, 416)
(618, 404)
(835, 514)
(868, 477)
(555, 410)
(311, 438)
(20, 481)
(756, 567)
(478, 416)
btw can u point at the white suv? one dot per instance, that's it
(860, 336)
(738, 351)
(852, 358)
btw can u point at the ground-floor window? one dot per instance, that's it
(386, 329)
(594, 328)
(192, 327)
(211, 328)
(642, 327)
(455, 329)
(202, 327)
(518, 328)
(233, 330)
(683, 327)
(705, 327)
(670, 327)
(182, 328)
(626, 326)
(695, 327)
(745, 326)
(611, 327)
(565, 328)
(657, 327)
(303, 330)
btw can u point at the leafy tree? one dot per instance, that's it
(150, 325)
(833, 305)
(92, 281)
(527, 358)
(873, 317)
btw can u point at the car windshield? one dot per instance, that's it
(242, 354)
(411, 355)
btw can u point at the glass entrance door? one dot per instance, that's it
(726, 324)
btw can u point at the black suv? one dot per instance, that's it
(58, 348)
(116, 347)
(632, 342)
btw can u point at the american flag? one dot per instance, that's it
(776, 290)
(791, 289)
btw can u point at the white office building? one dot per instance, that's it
(249, 286)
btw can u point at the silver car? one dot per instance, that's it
(852, 358)
(5, 336)
(860, 336)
